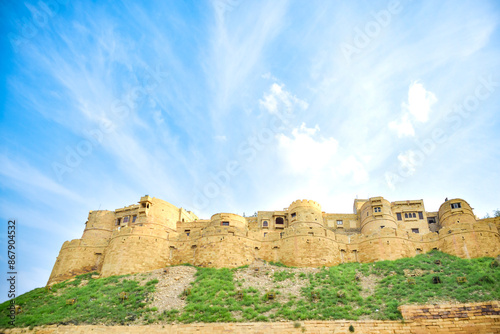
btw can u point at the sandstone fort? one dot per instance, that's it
(154, 233)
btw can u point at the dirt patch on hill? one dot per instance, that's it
(368, 285)
(171, 283)
(261, 276)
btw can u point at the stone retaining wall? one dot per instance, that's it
(473, 318)
(447, 311)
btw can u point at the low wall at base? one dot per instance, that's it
(471, 318)
(455, 311)
(482, 324)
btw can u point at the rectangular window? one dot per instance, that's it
(265, 234)
(224, 223)
(125, 219)
(398, 215)
(187, 232)
(377, 209)
(456, 205)
(134, 218)
(340, 222)
(294, 215)
(118, 221)
(414, 230)
(381, 227)
(420, 215)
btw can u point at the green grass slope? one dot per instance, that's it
(97, 302)
(216, 296)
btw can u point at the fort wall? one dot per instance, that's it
(77, 257)
(153, 234)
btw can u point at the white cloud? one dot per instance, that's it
(404, 128)
(210, 84)
(302, 152)
(352, 166)
(420, 101)
(278, 96)
(239, 38)
(418, 108)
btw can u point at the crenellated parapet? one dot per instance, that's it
(304, 203)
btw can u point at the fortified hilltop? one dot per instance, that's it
(153, 234)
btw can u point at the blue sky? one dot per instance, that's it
(239, 106)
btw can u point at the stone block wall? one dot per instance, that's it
(476, 318)
(155, 236)
(78, 257)
(453, 311)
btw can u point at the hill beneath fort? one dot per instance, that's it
(260, 292)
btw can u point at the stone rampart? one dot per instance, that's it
(475, 318)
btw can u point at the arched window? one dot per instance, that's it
(265, 223)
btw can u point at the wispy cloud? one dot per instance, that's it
(158, 97)
(19, 174)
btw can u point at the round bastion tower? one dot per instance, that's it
(455, 211)
(219, 220)
(305, 213)
(306, 242)
(376, 214)
(223, 243)
(86, 254)
(99, 225)
(141, 245)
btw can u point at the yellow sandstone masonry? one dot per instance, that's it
(153, 234)
(473, 318)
